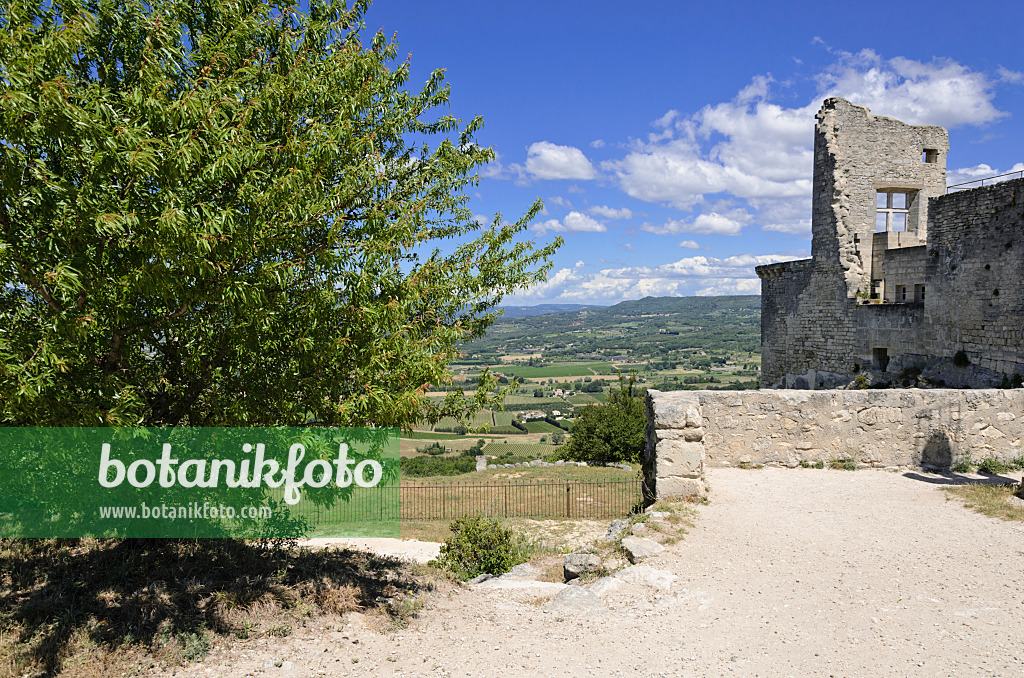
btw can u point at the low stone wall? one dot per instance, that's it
(689, 430)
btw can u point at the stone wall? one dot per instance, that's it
(975, 276)
(953, 281)
(690, 430)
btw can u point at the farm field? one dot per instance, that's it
(563, 370)
(542, 427)
(534, 449)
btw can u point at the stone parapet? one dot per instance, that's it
(688, 431)
(674, 456)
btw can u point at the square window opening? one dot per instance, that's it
(892, 211)
(930, 156)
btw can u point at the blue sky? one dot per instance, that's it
(671, 141)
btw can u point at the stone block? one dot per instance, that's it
(674, 486)
(678, 457)
(638, 548)
(576, 564)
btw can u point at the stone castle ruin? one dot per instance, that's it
(904, 280)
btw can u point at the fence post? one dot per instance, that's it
(568, 511)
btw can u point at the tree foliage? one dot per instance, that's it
(234, 213)
(611, 432)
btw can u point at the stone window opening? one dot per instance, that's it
(930, 156)
(892, 211)
(901, 293)
(919, 293)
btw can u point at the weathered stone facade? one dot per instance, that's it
(901, 274)
(688, 431)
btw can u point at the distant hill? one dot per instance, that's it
(541, 309)
(649, 326)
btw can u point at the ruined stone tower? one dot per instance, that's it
(875, 294)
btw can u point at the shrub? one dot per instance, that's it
(992, 466)
(478, 546)
(433, 449)
(612, 432)
(964, 465)
(960, 359)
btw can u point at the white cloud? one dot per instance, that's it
(573, 222)
(977, 172)
(597, 143)
(704, 224)
(690, 244)
(939, 92)
(760, 153)
(731, 286)
(545, 160)
(699, 275)
(627, 246)
(784, 215)
(1012, 77)
(611, 212)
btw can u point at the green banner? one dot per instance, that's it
(251, 483)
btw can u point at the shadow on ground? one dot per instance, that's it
(141, 595)
(950, 478)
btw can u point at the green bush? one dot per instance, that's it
(432, 449)
(964, 465)
(992, 466)
(478, 546)
(612, 432)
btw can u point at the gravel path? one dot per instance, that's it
(785, 573)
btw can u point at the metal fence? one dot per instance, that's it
(978, 183)
(597, 499)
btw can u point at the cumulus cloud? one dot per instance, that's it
(545, 160)
(704, 224)
(939, 92)
(611, 212)
(573, 222)
(690, 244)
(760, 153)
(597, 143)
(700, 275)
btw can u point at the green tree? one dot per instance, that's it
(234, 214)
(612, 431)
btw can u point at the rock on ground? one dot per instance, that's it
(639, 548)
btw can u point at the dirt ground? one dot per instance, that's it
(785, 573)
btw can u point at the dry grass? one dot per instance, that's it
(115, 607)
(996, 501)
